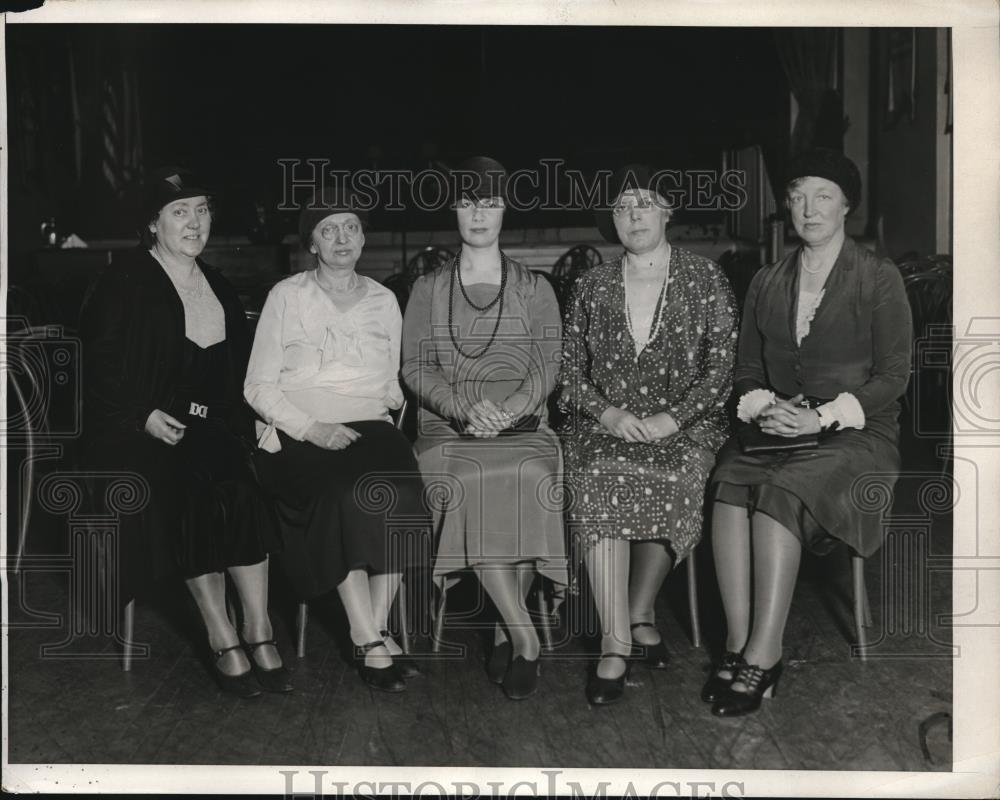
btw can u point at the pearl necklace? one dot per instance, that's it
(658, 310)
(816, 271)
(193, 289)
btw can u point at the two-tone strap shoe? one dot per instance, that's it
(759, 683)
(717, 683)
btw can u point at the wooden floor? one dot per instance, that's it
(832, 711)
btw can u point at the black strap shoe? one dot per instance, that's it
(385, 679)
(521, 678)
(654, 656)
(605, 691)
(242, 685)
(271, 679)
(499, 661)
(407, 666)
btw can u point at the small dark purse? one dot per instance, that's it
(527, 424)
(754, 440)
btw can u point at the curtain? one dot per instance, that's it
(75, 131)
(809, 58)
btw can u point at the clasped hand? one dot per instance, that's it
(485, 419)
(331, 435)
(626, 425)
(787, 418)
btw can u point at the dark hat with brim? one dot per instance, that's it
(167, 184)
(478, 177)
(625, 179)
(822, 162)
(322, 205)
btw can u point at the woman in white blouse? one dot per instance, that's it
(322, 377)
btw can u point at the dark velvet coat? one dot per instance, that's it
(132, 327)
(133, 339)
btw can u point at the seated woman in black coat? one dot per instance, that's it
(824, 347)
(165, 351)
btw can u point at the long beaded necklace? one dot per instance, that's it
(658, 311)
(456, 272)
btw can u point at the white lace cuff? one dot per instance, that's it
(845, 409)
(752, 403)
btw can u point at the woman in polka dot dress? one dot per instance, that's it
(649, 345)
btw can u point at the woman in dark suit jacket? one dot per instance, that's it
(165, 350)
(824, 350)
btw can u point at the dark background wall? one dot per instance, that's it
(231, 100)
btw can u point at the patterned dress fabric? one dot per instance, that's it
(641, 491)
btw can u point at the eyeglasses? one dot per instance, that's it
(330, 231)
(480, 202)
(623, 208)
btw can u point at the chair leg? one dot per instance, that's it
(693, 601)
(128, 625)
(404, 626)
(439, 621)
(860, 603)
(301, 621)
(546, 611)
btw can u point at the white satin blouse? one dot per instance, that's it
(312, 362)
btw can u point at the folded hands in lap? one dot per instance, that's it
(485, 419)
(626, 425)
(786, 418)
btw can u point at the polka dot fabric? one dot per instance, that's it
(635, 490)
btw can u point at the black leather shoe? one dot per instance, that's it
(242, 685)
(605, 691)
(407, 666)
(499, 660)
(716, 685)
(271, 679)
(759, 683)
(521, 678)
(654, 656)
(385, 679)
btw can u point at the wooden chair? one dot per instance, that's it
(862, 608)
(422, 263)
(570, 266)
(302, 617)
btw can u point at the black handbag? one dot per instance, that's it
(754, 441)
(527, 424)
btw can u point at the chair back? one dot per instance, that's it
(570, 266)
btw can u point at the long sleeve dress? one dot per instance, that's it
(858, 343)
(204, 510)
(635, 490)
(356, 508)
(494, 500)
